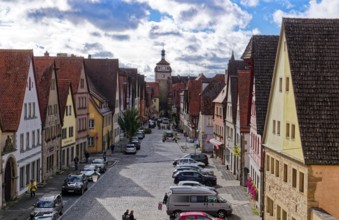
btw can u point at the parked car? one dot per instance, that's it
(195, 156)
(136, 142)
(195, 176)
(151, 124)
(140, 134)
(46, 216)
(100, 164)
(191, 167)
(194, 183)
(48, 204)
(189, 161)
(189, 198)
(197, 216)
(89, 171)
(75, 184)
(168, 136)
(130, 149)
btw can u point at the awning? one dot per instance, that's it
(215, 142)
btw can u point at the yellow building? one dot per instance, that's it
(68, 116)
(301, 129)
(100, 122)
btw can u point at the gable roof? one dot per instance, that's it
(244, 89)
(194, 89)
(232, 70)
(63, 88)
(43, 72)
(103, 75)
(14, 69)
(313, 52)
(260, 53)
(155, 88)
(210, 93)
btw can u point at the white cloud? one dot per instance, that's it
(249, 3)
(196, 36)
(314, 9)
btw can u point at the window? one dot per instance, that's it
(269, 207)
(272, 165)
(82, 83)
(27, 140)
(69, 110)
(267, 163)
(91, 141)
(294, 177)
(278, 127)
(277, 168)
(70, 134)
(28, 176)
(25, 110)
(29, 110)
(33, 109)
(21, 142)
(280, 84)
(273, 126)
(38, 136)
(287, 130)
(301, 182)
(64, 133)
(287, 84)
(33, 138)
(278, 212)
(53, 84)
(91, 123)
(285, 173)
(293, 131)
(284, 215)
(22, 182)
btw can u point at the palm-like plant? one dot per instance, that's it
(129, 122)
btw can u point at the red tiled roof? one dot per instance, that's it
(210, 93)
(69, 68)
(43, 72)
(244, 89)
(14, 69)
(155, 86)
(103, 74)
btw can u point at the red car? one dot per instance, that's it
(196, 215)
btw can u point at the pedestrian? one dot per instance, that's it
(131, 215)
(32, 187)
(76, 162)
(125, 216)
(112, 148)
(87, 156)
(104, 155)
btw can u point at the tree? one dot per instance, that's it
(129, 122)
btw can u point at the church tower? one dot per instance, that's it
(163, 76)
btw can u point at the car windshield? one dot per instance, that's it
(220, 199)
(88, 169)
(130, 146)
(49, 217)
(73, 179)
(169, 134)
(44, 204)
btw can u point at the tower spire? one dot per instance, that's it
(163, 53)
(232, 57)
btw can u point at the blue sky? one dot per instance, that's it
(198, 35)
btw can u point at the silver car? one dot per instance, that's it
(90, 171)
(48, 204)
(100, 165)
(130, 149)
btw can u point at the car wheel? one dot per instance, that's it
(176, 213)
(82, 191)
(221, 214)
(208, 183)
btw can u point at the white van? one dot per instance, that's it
(192, 198)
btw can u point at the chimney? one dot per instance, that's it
(89, 56)
(46, 54)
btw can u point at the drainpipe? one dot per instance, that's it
(262, 183)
